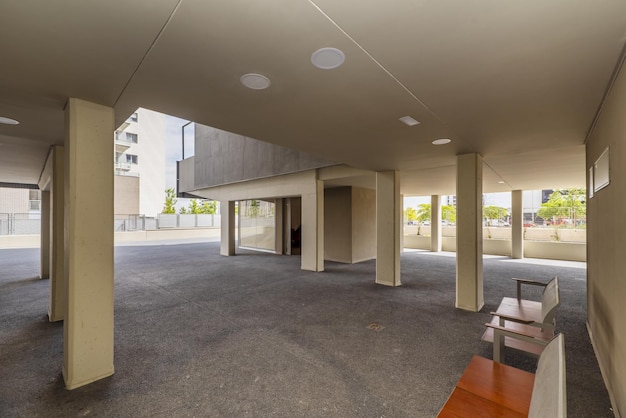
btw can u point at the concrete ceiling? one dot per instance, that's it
(518, 82)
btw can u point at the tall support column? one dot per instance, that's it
(435, 223)
(312, 240)
(58, 299)
(279, 223)
(88, 325)
(469, 233)
(227, 241)
(44, 247)
(517, 225)
(388, 228)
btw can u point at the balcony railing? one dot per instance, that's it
(122, 166)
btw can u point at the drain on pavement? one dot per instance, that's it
(376, 326)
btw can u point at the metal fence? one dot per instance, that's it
(30, 223)
(187, 221)
(20, 223)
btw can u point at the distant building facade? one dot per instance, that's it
(140, 163)
(139, 167)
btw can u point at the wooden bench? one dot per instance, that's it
(524, 325)
(491, 389)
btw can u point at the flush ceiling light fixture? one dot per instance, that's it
(328, 58)
(442, 141)
(8, 121)
(409, 121)
(255, 81)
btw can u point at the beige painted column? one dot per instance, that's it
(469, 232)
(435, 223)
(279, 222)
(44, 236)
(58, 300)
(227, 224)
(517, 225)
(312, 240)
(388, 228)
(88, 325)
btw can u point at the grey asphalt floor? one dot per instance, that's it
(200, 335)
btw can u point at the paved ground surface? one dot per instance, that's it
(197, 334)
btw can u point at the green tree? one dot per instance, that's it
(170, 201)
(423, 212)
(564, 205)
(410, 214)
(194, 207)
(183, 211)
(448, 213)
(491, 213)
(209, 207)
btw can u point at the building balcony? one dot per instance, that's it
(122, 166)
(126, 173)
(121, 145)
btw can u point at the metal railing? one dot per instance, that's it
(20, 223)
(30, 223)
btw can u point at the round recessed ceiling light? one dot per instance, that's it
(501, 182)
(255, 81)
(442, 141)
(328, 58)
(8, 121)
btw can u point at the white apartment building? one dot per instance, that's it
(140, 164)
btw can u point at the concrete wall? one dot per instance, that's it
(363, 224)
(530, 234)
(222, 158)
(186, 176)
(338, 224)
(349, 224)
(606, 236)
(571, 251)
(126, 196)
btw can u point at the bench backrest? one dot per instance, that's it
(549, 397)
(550, 300)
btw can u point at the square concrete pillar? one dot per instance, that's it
(435, 223)
(469, 232)
(88, 324)
(517, 225)
(227, 225)
(58, 301)
(279, 223)
(312, 240)
(388, 228)
(44, 247)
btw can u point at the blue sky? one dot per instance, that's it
(173, 146)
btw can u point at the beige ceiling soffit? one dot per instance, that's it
(341, 171)
(382, 67)
(497, 174)
(609, 87)
(156, 39)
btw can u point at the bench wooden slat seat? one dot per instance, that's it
(538, 313)
(491, 389)
(524, 325)
(533, 348)
(462, 401)
(499, 383)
